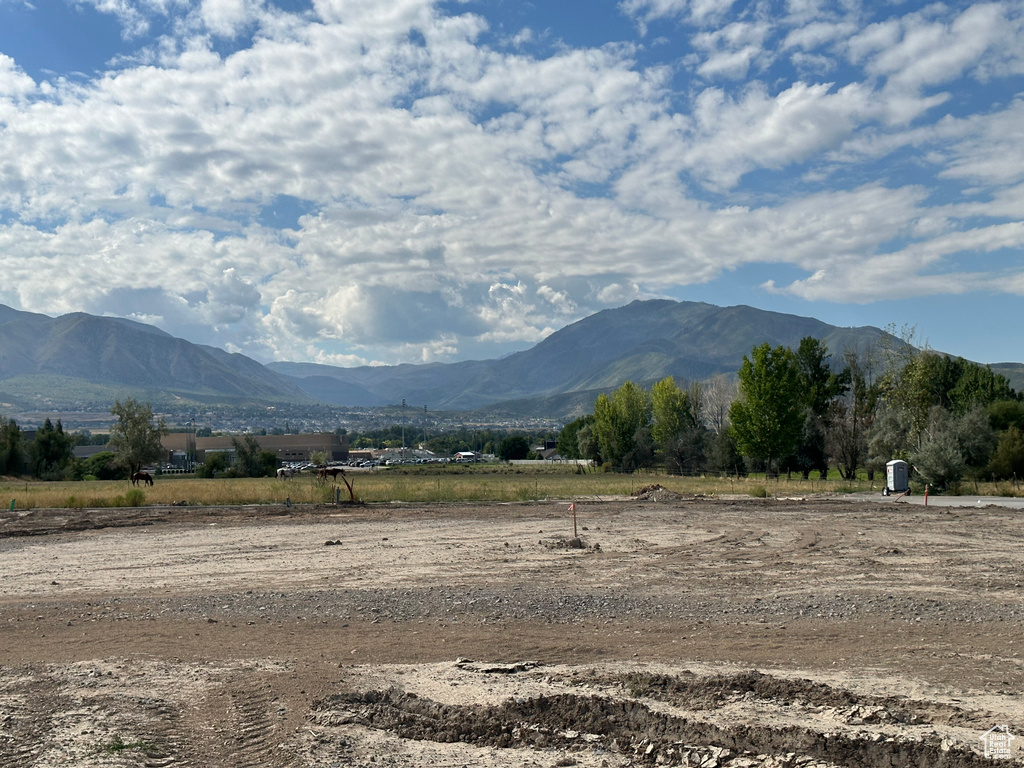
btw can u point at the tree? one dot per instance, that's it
(102, 466)
(618, 420)
(134, 437)
(849, 419)
(586, 443)
(767, 419)
(819, 384)
(514, 448)
(251, 460)
(215, 461)
(51, 451)
(676, 429)
(1008, 460)
(686, 453)
(724, 456)
(939, 460)
(889, 435)
(641, 451)
(12, 447)
(810, 454)
(671, 413)
(1003, 414)
(952, 447)
(568, 445)
(717, 394)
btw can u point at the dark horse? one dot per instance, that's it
(334, 473)
(142, 477)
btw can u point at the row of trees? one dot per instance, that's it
(450, 441)
(797, 411)
(134, 442)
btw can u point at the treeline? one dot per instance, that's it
(49, 456)
(794, 411)
(448, 443)
(134, 440)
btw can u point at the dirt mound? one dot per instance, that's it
(658, 492)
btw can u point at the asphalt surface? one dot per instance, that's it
(934, 500)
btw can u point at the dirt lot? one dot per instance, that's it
(676, 631)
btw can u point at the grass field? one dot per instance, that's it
(486, 483)
(492, 484)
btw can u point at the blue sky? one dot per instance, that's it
(382, 181)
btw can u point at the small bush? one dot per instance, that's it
(135, 498)
(759, 492)
(117, 745)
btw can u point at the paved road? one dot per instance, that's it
(945, 501)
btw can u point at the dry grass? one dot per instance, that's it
(492, 484)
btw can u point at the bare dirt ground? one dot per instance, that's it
(676, 631)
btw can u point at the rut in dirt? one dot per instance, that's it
(630, 727)
(709, 692)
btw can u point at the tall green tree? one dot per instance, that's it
(51, 452)
(568, 444)
(819, 384)
(514, 448)
(621, 425)
(676, 429)
(671, 413)
(135, 436)
(849, 419)
(1008, 460)
(767, 418)
(250, 459)
(12, 447)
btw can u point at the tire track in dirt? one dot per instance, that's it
(249, 732)
(26, 721)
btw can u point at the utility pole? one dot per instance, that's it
(190, 446)
(403, 430)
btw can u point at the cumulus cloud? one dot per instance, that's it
(456, 186)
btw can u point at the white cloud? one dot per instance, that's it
(696, 11)
(733, 136)
(817, 34)
(920, 50)
(457, 188)
(13, 82)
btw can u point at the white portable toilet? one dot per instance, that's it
(897, 477)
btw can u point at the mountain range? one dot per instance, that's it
(77, 361)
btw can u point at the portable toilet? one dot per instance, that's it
(897, 478)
